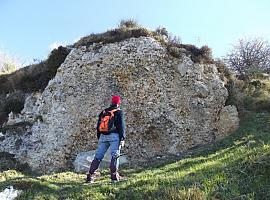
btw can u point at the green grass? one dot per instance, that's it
(237, 167)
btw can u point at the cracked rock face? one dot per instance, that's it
(170, 104)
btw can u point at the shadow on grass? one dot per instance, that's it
(230, 168)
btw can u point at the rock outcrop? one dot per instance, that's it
(170, 104)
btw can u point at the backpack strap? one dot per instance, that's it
(113, 111)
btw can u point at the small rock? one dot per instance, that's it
(84, 159)
(9, 193)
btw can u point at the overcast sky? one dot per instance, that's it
(30, 28)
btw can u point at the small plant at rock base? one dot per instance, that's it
(8, 162)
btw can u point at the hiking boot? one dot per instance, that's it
(91, 174)
(89, 178)
(115, 177)
(115, 181)
(118, 179)
(94, 166)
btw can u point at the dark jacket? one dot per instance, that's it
(119, 122)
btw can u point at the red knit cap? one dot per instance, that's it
(116, 100)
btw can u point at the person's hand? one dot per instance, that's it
(122, 143)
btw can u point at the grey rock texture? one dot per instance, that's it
(170, 104)
(15, 140)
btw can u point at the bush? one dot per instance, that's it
(174, 41)
(249, 95)
(162, 31)
(3, 118)
(8, 162)
(225, 72)
(8, 67)
(27, 80)
(202, 55)
(55, 59)
(206, 53)
(34, 77)
(14, 105)
(129, 23)
(129, 28)
(16, 128)
(175, 51)
(8, 64)
(249, 55)
(111, 36)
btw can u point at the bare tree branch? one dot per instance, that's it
(249, 55)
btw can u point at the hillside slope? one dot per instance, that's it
(237, 167)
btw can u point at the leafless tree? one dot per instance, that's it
(249, 55)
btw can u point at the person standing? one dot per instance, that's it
(110, 133)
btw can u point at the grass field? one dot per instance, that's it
(237, 167)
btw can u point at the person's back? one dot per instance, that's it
(110, 133)
(119, 126)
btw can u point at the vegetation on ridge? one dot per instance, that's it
(33, 78)
(130, 28)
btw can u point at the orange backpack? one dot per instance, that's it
(106, 123)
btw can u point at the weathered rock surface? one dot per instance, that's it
(170, 104)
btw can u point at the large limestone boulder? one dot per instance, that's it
(170, 104)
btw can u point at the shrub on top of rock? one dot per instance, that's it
(162, 31)
(130, 28)
(129, 23)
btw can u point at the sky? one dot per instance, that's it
(29, 29)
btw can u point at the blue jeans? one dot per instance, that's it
(106, 141)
